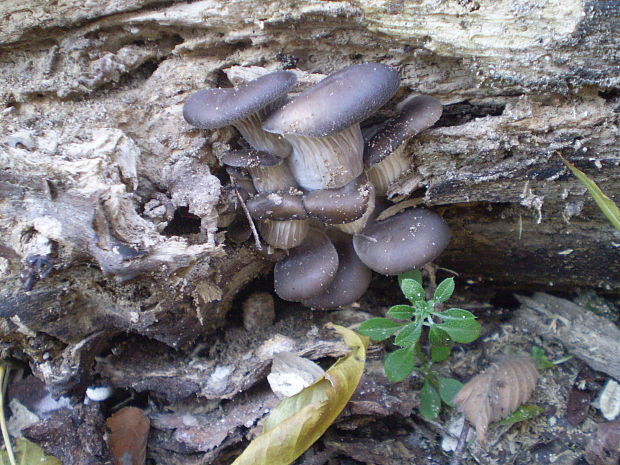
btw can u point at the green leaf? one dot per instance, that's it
(379, 329)
(299, 421)
(439, 354)
(398, 365)
(542, 362)
(438, 337)
(525, 412)
(606, 205)
(444, 290)
(448, 389)
(430, 402)
(413, 290)
(409, 335)
(460, 325)
(401, 312)
(464, 332)
(28, 453)
(457, 314)
(416, 275)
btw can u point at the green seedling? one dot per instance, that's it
(425, 335)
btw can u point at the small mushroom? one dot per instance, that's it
(322, 124)
(308, 270)
(347, 208)
(384, 154)
(244, 107)
(268, 172)
(402, 242)
(270, 175)
(277, 206)
(351, 281)
(241, 178)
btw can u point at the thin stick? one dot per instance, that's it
(4, 377)
(250, 220)
(460, 445)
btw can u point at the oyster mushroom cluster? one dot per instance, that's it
(314, 183)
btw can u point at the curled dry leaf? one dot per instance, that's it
(497, 392)
(129, 430)
(604, 446)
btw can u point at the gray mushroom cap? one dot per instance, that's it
(215, 108)
(339, 206)
(250, 159)
(418, 114)
(308, 270)
(337, 102)
(351, 281)
(402, 242)
(276, 206)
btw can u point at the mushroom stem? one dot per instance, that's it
(383, 174)
(283, 234)
(251, 129)
(327, 162)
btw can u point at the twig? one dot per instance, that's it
(4, 378)
(460, 445)
(250, 220)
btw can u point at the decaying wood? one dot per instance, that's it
(589, 337)
(109, 199)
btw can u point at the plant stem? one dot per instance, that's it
(4, 378)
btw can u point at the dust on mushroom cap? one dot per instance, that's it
(215, 108)
(308, 270)
(337, 102)
(277, 206)
(418, 114)
(338, 206)
(250, 159)
(402, 242)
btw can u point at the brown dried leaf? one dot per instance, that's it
(604, 446)
(580, 396)
(497, 392)
(129, 430)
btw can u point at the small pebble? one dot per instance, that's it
(98, 393)
(609, 400)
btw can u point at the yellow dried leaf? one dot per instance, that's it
(497, 392)
(298, 421)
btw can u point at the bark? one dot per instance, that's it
(109, 199)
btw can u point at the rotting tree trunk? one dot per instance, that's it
(103, 180)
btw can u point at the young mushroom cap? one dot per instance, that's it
(385, 156)
(418, 114)
(322, 124)
(402, 242)
(268, 172)
(308, 270)
(339, 206)
(216, 108)
(277, 206)
(351, 281)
